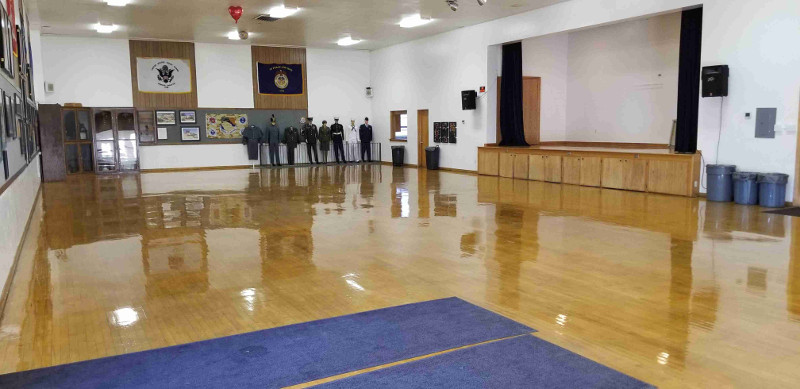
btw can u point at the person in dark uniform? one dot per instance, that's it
(337, 135)
(272, 137)
(291, 137)
(252, 137)
(310, 134)
(365, 135)
(324, 141)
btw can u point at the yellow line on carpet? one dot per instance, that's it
(379, 367)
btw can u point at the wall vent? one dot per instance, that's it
(266, 18)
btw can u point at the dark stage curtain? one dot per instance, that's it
(512, 130)
(689, 80)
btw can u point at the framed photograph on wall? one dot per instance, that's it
(162, 133)
(165, 118)
(8, 116)
(190, 134)
(147, 126)
(188, 117)
(8, 54)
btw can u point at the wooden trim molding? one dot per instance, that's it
(611, 145)
(195, 169)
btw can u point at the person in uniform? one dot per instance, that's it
(310, 134)
(272, 137)
(352, 142)
(291, 137)
(365, 135)
(252, 137)
(337, 135)
(324, 140)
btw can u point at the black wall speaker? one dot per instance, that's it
(715, 81)
(468, 98)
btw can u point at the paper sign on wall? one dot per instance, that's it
(164, 75)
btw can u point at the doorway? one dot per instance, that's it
(422, 136)
(115, 138)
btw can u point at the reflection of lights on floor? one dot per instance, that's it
(249, 297)
(124, 317)
(353, 284)
(561, 319)
(663, 358)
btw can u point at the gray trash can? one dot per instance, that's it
(745, 188)
(398, 154)
(772, 189)
(432, 158)
(720, 185)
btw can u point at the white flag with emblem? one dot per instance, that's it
(164, 75)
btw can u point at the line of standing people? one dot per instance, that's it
(311, 135)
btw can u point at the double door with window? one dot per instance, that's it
(115, 140)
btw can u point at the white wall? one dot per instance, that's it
(16, 203)
(337, 82)
(90, 71)
(546, 57)
(224, 75)
(191, 156)
(755, 38)
(622, 81)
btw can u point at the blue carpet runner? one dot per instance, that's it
(286, 355)
(521, 362)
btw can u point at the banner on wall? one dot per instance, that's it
(280, 79)
(225, 125)
(164, 75)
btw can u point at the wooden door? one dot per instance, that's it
(571, 170)
(636, 177)
(521, 166)
(488, 162)
(506, 165)
(531, 108)
(671, 177)
(422, 138)
(591, 171)
(536, 167)
(552, 168)
(614, 173)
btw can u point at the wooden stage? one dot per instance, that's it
(641, 170)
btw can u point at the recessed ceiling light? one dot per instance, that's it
(414, 21)
(233, 35)
(282, 11)
(117, 3)
(105, 28)
(348, 41)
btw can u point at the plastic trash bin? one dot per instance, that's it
(772, 189)
(720, 185)
(745, 188)
(432, 158)
(398, 154)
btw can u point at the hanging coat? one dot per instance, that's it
(252, 137)
(309, 134)
(352, 135)
(324, 138)
(291, 137)
(337, 132)
(272, 134)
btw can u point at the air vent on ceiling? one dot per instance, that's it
(266, 18)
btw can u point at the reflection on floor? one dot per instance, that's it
(674, 291)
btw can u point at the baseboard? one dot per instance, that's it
(13, 270)
(196, 169)
(448, 169)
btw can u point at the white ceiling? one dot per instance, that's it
(320, 23)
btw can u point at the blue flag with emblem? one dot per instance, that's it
(280, 79)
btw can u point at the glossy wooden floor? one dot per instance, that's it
(674, 291)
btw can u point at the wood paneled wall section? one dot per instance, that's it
(279, 55)
(531, 108)
(159, 49)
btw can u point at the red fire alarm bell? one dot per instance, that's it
(483, 89)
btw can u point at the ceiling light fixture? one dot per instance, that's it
(105, 28)
(453, 4)
(482, 2)
(117, 3)
(348, 41)
(282, 11)
(234, 35)
(414, 21)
